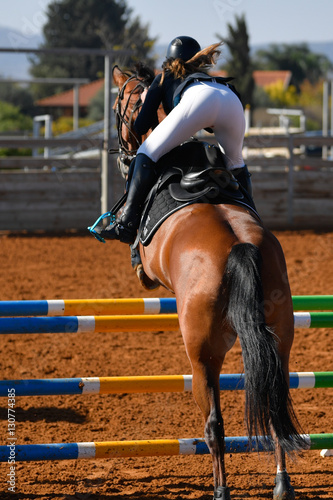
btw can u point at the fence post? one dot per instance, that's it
(325, 116)
(290, 201)
(107, 132)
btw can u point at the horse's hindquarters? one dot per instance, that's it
(186, 247)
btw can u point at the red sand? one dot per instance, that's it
(51, 267)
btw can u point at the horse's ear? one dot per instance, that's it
(118, 76)
(144, 72)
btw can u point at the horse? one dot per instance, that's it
(229, 276)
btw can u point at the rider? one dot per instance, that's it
(192, 100)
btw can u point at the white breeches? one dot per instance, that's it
(203, 104)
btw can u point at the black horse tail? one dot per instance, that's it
(267, 397)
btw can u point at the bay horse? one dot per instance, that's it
(229, 276)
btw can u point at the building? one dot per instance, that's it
(62, 104)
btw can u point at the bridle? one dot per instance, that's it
(127, 152)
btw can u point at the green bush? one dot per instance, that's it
(65, 124)
(15, 152)
(12, 120)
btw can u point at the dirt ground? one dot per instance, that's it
(77, 266)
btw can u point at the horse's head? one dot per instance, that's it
(127, 107)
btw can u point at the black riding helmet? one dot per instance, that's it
(182, 47)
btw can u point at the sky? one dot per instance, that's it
(268, 21)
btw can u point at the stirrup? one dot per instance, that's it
(112, 214)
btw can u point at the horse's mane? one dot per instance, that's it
(144, 72)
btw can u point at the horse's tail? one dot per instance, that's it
(267, 392)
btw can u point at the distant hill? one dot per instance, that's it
(324, 48)
(15, 65)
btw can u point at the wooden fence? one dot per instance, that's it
(56, 193)
(291, 190)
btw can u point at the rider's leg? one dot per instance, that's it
(126, 226)
(202, 106)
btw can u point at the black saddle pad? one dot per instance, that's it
(168, 196)
(162, 207)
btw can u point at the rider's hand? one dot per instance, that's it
(143, 95)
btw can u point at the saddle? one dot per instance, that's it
(194, 172)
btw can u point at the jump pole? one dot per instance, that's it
(145, 384)
(312, 302)
(144, 448)
(89, 324)
(130, 323)
(95, 307)
(87, 307)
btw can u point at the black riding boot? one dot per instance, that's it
(125, 227)
(243, 176)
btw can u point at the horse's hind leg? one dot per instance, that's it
(279, 316)
(283, 324)
(283, 489)
(206, 347)
(206, 392)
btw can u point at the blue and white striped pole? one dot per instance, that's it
(127, 323)
(94, 307)
(162, 447)
(84, 307)
(145, 384)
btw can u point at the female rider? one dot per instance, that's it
(192, 100)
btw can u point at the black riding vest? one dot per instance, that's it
(201, 77)
(156, 95)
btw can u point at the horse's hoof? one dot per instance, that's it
(222, 493)
(283, 489)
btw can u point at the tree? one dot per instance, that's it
(12, 120)
(14, 94)
(88, 24)
(281, 97)
(96, 107)
(297, 58)
(239, 63)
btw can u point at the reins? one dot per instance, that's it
(121, 119)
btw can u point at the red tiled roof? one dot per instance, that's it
(65, 99)
(263, 78)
